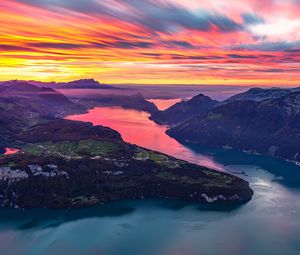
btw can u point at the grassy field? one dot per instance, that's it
(72, 148)
(158, 158)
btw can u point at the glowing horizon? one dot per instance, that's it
(222, 42)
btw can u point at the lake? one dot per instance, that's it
(268, 224)
(165, 103)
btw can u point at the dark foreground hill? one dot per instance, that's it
(67, 164)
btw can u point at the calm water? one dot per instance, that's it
(8, 151)
(164, 104)
(268, 224)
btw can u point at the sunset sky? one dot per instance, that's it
(152, 41)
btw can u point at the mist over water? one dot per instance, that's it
(171, 94)
(268, 224)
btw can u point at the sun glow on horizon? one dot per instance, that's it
(152, 42)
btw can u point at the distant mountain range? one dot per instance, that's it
(77, 84)
(135, 101)
(260, 94)
(45, 101)
(88, 100)
(265, 121)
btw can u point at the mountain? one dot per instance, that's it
(184, 110)
(45, 101)
(77, 84)
(84, 83)
(260, 94)
(66, 164)
(270, 127)
(23, 104)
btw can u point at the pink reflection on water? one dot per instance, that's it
(163, 104)
(10, 151)
(136, 128)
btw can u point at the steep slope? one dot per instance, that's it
(45, 101)
(182, 111)
(260, 94)
(269, 127)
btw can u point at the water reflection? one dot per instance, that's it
(46, 218)
(164, 104)
(9, 151)
(136, 128)
(284, 172)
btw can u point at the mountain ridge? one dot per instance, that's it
(184, 110)
(269, 127)
(75, 84)
(260, 94)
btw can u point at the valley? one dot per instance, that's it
(91, 162)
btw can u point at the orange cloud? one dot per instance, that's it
(149, 42)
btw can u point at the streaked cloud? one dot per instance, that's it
(152, 41)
